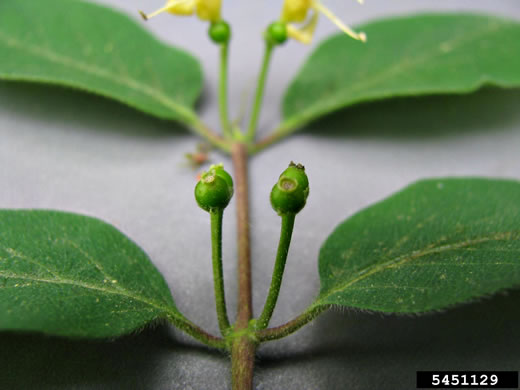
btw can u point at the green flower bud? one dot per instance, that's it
(297, 172)
(219, 32)
(287, 196)
(213, 191)
(276, 33)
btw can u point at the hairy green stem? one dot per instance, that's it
(223, 87)
(197, 333)
(257, 105)
(279, 267)
(291, 326)
(218, 277)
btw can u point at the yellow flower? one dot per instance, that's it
(206, 9)
(304, 34)
(209, 10)
(296, 11)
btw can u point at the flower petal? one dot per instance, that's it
(209, 9)
(305, 33)
(334, 19)
(295, 10)
(176, 7)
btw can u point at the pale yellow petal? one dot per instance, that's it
(181, 7)
(298, 35)
(334, 19)
(177, 7)
(209, 10)
(295, 10)
(306, 33)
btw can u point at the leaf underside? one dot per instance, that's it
(435, 244)
(406, 56)
(70, 275)
(96, 49)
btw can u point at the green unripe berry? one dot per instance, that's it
(276, 33)
(212, 191)
(219, 32)
(287, 196)
(297, 172)
(219, 171)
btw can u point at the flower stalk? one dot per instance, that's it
(218, 277)
(257, 104)
(223, 88)
(279, 267)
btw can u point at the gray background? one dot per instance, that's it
(64, 150)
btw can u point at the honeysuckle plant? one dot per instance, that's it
(428, 247)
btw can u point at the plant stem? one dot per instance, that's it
(291, 326)
(223, 98)
(257, 105)
(279, 267)
(243, 347)
(242, 363)
(197, 333)
(218, 277)
(239, 156)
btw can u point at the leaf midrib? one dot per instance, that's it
(405, 258)
(121, 291)
(324, 107)
(63, 60)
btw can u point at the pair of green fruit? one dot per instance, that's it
(220, 33)
(288, 196)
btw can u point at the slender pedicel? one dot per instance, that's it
(288, 198)
(213, 193)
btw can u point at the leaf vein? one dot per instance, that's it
(403, 259)
(324, 106)
(103, 289)
(91, 260)
(16, 253)
(60, 59)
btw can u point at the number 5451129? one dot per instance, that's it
(464, 380)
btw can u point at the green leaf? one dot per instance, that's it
(71, 275)
(434, 244)
(95, 49)
(406, 56)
